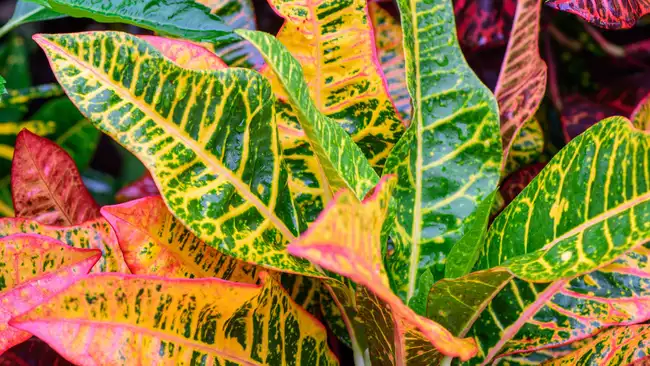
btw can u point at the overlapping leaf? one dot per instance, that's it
(143, 187)
(333, 42)
(517, 181)
(589, 205)
(116, 319)
(346, 239)
(527, 147)
(449, 157)
(34, 268)
(207, 137)
(641, 115)
(522, 80)
(94, 234)
(155, 243)
(186, 54)
(388, 38)
(612, 14)
(46, 184)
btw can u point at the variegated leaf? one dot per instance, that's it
(35, 267)
(612, 14)
(46, 185)
(94, 234)
(579, 113)
(121, 320)
(333, 42)
(589, 205)
(143, 187)
(522, 80)
(154, 242)
(527, 147)
(449, 157)
(186, 54)
(388, 39)
(18, 97)
(641, 115)
(207, 137)
(346, 239)
(342, 161)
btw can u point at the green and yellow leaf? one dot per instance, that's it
(46, 185)
(346, 239)
(342, 161)
(641, 114)
(19, 97)
(155, 243)
(207, 137)
(94, 234)
(527, 147)
(449, 157)
(119, 320)
(34, 268)
(589, 205)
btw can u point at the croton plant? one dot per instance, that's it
(365, 187)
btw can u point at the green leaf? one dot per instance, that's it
(448, 161)
(343, 162)
(14, 67)
(527, 147)
(26, 12)
(589, 205)
(19, 97)
(3, 88)
(207, 137)
(181, 18)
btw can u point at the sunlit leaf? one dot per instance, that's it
(116, 319)
(612, 14)
(46, 185)
(34, 268)
(346, 240)
(589, 205)
(214, 152)
(448, 161)
(186, 54)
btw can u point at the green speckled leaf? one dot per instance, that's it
(449, 159)
(527, 147)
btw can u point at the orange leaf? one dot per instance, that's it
(46, 184)
(186, 54)
(143, 187)
(34, 268)
(154, 242)
(346, 239)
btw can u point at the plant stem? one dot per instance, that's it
(446, 361)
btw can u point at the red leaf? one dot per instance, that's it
(484, 23)
(143, 187)
(611, 14)
(580, 113)
(517, 181)
(46, 184)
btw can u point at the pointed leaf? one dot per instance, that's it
(388, 39)
(115, 319)
(527, 147)
(156, 243)
(589, 205)
(210, 141)
(641, 115)
(186, 54)
(522, 80)
(34, 268)
(95, 234)
(611, 14)
(346, 240)
(333, 42)
(448, 158)
(46, 185)
(27, 12)
(615, 346)
(341, 159)
(143, 187)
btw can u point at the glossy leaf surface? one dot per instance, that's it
(589, 205)
(341, 159)
(522, 80)
(94, 234)
(611, 14)
(34, 268)
(333, 42)
(186, 54)
(155, 243)
(213, 153)
(46, 185)
(450, 156)
(346, 240)
(119, 319)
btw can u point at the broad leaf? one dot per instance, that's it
(143, 187)
(181, 18)
(213, 152)
(342, 161)
(612, 14)
(155, 243)
(346, 240)
(616, 346)
(46, 185)
(388, 38)
(589, 205)
(118, 319)
(94, 234)
(34, 268)
(527, 147)
(641, 115)
(333, 42)
(27, 12)
(186, 54)
(449, 157)
(522, 80)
